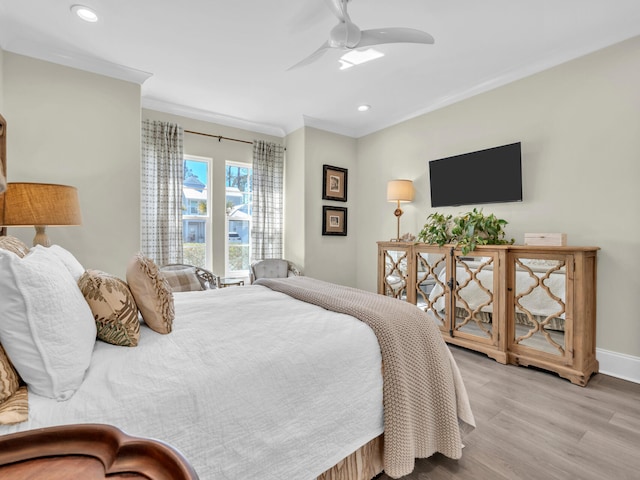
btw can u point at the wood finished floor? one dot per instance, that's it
(534, 425)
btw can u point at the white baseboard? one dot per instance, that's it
(619, 365)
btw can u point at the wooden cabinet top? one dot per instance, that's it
(480, 248)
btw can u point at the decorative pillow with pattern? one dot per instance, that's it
(152, 293)
(15, 409)
(14, 245)
(14, 403)
(113, 307)
(9, 381)
(182, 278)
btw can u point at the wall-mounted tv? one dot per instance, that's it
(493, 175)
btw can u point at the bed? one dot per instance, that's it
(252, 382)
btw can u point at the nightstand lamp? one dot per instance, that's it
(39, 205)
(399, 191)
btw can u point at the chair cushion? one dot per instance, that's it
(182, 278)
(271, 268)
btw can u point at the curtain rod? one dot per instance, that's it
(219, 137)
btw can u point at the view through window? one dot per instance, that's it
(239, 188)
(195, 211)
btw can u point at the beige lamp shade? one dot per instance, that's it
(400, 191)
(39, 205)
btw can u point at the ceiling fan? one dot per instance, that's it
(347, 36)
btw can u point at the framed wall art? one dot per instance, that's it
(334, 221)
(334, 183)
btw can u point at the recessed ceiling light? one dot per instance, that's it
(85, 13)
(364, 108)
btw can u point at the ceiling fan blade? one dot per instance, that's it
(313, 57)
(339, 9)
(380, 36)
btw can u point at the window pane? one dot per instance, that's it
(195, 212)
(238, 207)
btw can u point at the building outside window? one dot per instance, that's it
(239, 193)
(195, 211)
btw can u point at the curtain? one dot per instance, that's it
(161, 191)
(267, 210)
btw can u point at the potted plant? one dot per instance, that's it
(465, 231)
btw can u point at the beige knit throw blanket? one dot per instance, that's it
(423, 394)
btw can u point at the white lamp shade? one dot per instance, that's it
(400, 191)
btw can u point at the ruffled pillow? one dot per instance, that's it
(113, 306)
(152, 293)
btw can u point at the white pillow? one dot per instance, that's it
(73, 265)
(47, 328)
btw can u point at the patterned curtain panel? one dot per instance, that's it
(161, 191)
(267, 216)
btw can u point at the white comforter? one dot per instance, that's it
(250, 384)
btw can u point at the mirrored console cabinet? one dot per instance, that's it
(524, 305)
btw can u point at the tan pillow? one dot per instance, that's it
(182, 278)
(14, 404)
(9, 381)
(16, 408)
(113, 306)
(151, 292)
(14, 245)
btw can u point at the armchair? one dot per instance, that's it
(273, 268)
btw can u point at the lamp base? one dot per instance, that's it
(41, 237)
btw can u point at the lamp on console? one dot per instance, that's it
(399, 191)
(39, 205)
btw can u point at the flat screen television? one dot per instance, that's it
(493, 175)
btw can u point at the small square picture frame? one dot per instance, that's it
(334, 221)
(334, 183)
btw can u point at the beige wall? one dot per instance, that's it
(579, 125)
(331, 258)
(77, 128)
(295, 199)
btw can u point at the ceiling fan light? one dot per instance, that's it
(364, 108)
(356, 57)
(85, 13)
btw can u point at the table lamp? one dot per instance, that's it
(399, 191)
(39, 205)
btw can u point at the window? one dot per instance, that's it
(196, 197)
(238, 197)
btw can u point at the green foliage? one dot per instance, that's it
(194, 254)
(466, 231)
(238, 257)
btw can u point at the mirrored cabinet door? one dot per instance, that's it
(431, 283)
(475, 285)
(541, 308)
(393, 270)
